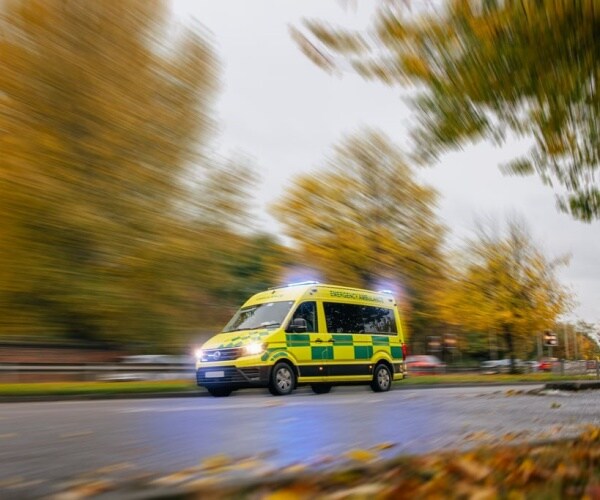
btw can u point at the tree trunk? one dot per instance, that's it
(508, 338)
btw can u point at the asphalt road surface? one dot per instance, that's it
(49, 447)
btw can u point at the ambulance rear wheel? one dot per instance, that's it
(320, 388)
(283, 380)
(382, 378)
(219, 392)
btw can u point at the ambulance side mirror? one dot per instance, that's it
(298, 325)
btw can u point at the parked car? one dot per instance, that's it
(546, 364)
(501, 366)
(422, 364)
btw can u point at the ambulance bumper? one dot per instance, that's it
(230, 375)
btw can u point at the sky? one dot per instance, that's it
(285, 113)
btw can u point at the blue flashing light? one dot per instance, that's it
(389, 292)
(295, 284)
(303, 283)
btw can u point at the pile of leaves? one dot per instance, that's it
(559, 469)
(500, 469)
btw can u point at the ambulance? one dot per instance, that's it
(306, 334)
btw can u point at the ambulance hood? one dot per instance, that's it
(236, 339)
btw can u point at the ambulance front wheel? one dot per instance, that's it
(283, 380)
(382, 378)
(219, 392)
(320, 388)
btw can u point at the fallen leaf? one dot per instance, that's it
(171, 479)
(270, 404)
(477, 436)
(75, 434)
(216, 462)
(294, 469)
(115, 468)
(361, 455)
(470, 468)
(371, 490)
(202, 482)
(85, 490)
(511, 436)
(486, 493)
(567, 471)
(290, 493)
(384, 446)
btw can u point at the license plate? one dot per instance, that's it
(218, 374)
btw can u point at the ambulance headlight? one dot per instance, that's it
(254, 348)
(198, 353)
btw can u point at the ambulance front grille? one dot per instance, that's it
(226, 354)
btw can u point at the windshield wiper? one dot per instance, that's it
(266, 324)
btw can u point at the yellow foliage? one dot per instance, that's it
(484, 68)
(105, 236)
(365, 220)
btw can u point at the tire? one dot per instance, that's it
(320, 388)
(219, 392)
(283, 380)
(382, 378)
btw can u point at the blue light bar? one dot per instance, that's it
(390, 292)
(295, 284)
(303, 283)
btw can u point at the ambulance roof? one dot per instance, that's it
(315, 290)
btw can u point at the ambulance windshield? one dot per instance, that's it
(267, 315)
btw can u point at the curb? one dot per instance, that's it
(575, 386)
(99, 396)
(464, 384)
(201, 394)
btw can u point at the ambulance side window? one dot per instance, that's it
(356, 318)
(308, 312)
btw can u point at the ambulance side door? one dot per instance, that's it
(311, 349)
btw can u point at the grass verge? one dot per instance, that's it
(164, 386)
(91, 388)
(476, 378)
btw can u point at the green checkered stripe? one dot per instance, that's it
(364, 350)
(240, 340)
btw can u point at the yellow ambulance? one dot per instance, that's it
(306, 333)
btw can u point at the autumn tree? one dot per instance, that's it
(577, 340)
(489, 69)
(222, 193)
(365, 220)
(507, 285)
(104, 107)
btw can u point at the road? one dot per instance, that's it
(47, 447)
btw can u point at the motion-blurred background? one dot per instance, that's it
(129, 228)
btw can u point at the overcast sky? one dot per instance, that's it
(284, 112)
